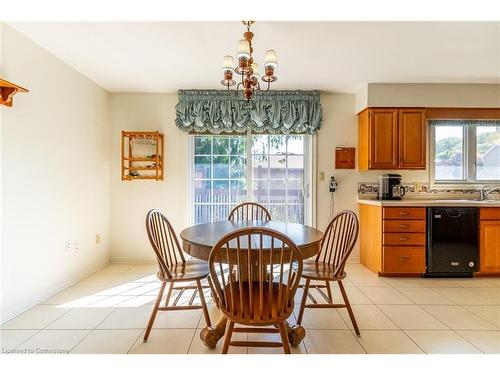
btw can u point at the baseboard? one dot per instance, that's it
(126, 260)
(54, 291)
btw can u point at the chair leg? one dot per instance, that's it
(169, 293)
(329, 291)
(349, 308)
(203, 303)
(155, 310)
(303, 302)
(227, 336)
(284, 337)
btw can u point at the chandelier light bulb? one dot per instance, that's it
(255, 70)
(228, 63)
(243, 49)
(271, 59)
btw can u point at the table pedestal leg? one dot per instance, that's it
(211, 335)
(296, 334)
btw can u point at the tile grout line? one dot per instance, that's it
(142, 331)
(194, 334)
(470, 342)
(480, 317)
(461, 307)
(92, 330)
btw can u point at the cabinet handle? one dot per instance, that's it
(404, 213)
(404, 226)
(404, 259)
(404, 238)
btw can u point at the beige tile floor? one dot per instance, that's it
(108, 311)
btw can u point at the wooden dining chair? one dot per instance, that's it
(336, 246)
(249, 211)
(255, 273)
(173, 268)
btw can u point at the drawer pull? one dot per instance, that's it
(404, 238)
(404, 226)
(404, 213)
(404, 259)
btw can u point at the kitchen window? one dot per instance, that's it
(465, 151)
(271, 169)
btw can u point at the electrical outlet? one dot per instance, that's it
(97, 238)
(321, 176)
(67, 246)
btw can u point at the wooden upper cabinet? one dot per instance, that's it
(391, 138)
(383, 133)
(412, 136)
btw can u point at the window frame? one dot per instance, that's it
(469, 152)
(308, 183)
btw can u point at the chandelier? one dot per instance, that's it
(247, 68)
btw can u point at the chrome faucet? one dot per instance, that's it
(483, 191)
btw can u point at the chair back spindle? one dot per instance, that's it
(338, 241)
(255, 272)
(164, 242)
(249, 211)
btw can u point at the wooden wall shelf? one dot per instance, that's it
(8, 90)
(142, 156)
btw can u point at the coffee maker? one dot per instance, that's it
(390, 187)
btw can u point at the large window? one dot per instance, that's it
(465, 151)
(269, 169)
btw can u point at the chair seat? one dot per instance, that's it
(261, 312)
(320, 271)
(190, 270)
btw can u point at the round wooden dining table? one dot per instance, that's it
(198, 241)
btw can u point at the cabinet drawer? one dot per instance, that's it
(404, 226)
(404, 239)
(489, 213)
(403, 259)
(406, 213)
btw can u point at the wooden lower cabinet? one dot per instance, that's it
(403, 259)
(392, 239)
(489, 241)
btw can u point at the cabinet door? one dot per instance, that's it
(383, 139)
(412, 134)
(489, 247)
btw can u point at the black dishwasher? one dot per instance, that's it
(452, 241)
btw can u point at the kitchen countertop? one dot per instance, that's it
(422, 202)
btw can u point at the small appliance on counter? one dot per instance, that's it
(452, 241)
(390, 187)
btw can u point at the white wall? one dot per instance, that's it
(54, 177)
(428, 95)
(130, 200)
(340, 128)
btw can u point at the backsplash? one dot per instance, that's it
(415, 189)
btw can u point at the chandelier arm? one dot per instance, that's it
(268, 87)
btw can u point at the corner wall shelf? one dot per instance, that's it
(8, 90)
(142, 156)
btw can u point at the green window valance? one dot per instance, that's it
(218, 111)
(464, 122)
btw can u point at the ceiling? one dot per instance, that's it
(329, 56)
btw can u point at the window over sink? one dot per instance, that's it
(465, 151)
